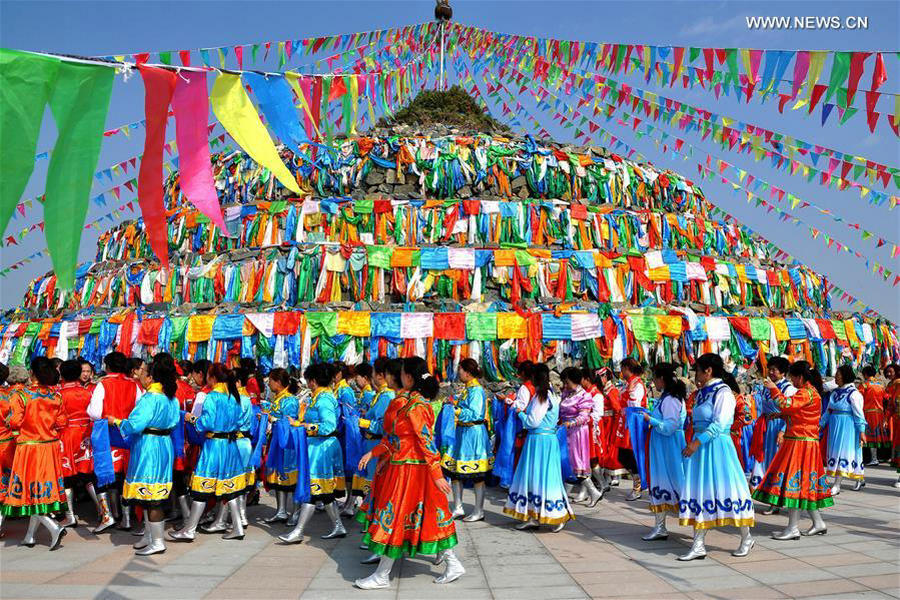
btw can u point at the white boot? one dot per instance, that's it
(860, 484)
(242, 505)
(381, 578)
(349, 508)
(187, 532)
(145, 539)
(456, 487)
(237, 525)
(184, 506)
(92, 492)
(659, 531)
(529, 524)
(337, 530)
(106, 518)
(593, 494)
(454, 569)
(70, 520)
(819, 527)
(747, 543)
(370, 559)
(28, 540)
(599, 479)
(579, 496)
(57, 532)
(698, 548)
(836, 488)
(219, 524)
(281, 514)
(635, 493)
(792, 531)
(295, 536)
(478, 513)
(157, 543)
(125, 511)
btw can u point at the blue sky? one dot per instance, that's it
(104, 28)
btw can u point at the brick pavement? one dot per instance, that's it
(599, 555)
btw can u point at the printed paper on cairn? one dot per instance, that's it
(586, 326)
(417, 325)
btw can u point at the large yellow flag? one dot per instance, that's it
(233, 108)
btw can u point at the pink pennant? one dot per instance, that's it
(801, 68)
(191, 104)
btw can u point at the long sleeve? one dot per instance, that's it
(856, 406)
(472, 407)
(328, 408)
(585, 406)
(16, 411)
(377, 421)
(95, 406)
(62, 416)
(522, 398)
(598, 406)
(534, 414)
(723, 415)
(140, 417)
(670, 413)
(636, 395)
(207, 420)
(422, 422)
(197, 408)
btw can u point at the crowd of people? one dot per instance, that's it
(195, 442)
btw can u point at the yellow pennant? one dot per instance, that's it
(232, 106)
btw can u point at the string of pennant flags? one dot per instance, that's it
(843, 78)
(815, 233)
(728, 130)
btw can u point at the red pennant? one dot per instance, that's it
(816, 96)
(141, 57)
(159, 85)
(857, 64)
(185, 57)
(239, 53)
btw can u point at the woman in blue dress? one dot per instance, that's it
(715, 492)
(537, 495)
(219, 474)
(281, 462)
(846, 424)
(326, 463)
(249, 421)
(666, 445)
(471, 458)
(373, 406)
(148, 481)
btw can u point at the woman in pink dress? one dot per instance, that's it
(575, 414)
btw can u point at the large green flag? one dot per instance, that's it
(25, 84)
(79, 103)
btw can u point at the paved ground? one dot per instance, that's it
(600, 555)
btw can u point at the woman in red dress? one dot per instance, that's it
(892, 413)
(877, 430)
(409, 511)
(77, 464)
(36, 481)
(612, 468)
(796, 476)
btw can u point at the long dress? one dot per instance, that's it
(148, 481)
(285, 407)
(471, 457)
(36, 476)
(796, 477)
(372, 430)
(596, 425)
(7, 437)
(76, 436)
(892, 413)
(219, 473)
(326, 462)
(408, 513)
(537, 491)
(612, 409)
(742, 417)
(666, 462)
(773, 427)
(635, 395)
(846, 423)
(575, 413)
(878, 433)
(244, 442)
(715, 492)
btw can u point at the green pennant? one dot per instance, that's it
(165, 57)
(840, 68)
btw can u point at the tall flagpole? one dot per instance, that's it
(441, 84)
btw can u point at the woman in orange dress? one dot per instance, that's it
(892, 412)
(409, 512)
(77, 464)
(796, 476)
(7, 435)
(878, 433)
(36, 481)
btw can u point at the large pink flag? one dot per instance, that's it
(191, 105)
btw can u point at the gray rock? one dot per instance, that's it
(518, 182)
(390, 176)
(375, 177)
(464, 192)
